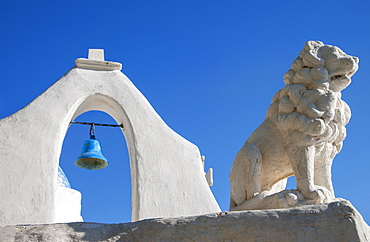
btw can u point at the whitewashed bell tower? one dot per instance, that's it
(167, 172)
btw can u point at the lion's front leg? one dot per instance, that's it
(323, 176)
(325, 153)
(302, 161)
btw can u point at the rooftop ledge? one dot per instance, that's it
(96, 61)
(98, 64)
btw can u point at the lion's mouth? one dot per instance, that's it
(340, 81)
(339, 76)
(336, 77)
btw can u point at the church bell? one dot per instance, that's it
(91, 157)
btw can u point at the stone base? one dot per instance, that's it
(337, 221)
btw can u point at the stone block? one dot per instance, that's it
(337, 221)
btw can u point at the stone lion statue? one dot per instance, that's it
(303, 131)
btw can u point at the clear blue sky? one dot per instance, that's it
(209, 68)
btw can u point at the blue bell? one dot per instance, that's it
(91, 157)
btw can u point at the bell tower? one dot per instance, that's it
(167, 180)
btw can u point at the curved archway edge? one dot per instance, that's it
(167, 174)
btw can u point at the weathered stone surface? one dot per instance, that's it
(303, 131)
(337, 221)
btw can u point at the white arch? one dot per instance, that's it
(167, 174)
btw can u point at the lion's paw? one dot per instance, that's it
(319, 195)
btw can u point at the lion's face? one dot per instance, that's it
(324, 66)
(339, 65)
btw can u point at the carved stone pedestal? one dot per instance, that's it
(337, 221)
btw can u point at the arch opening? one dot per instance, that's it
(106, 193)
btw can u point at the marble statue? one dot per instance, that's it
(303, 131)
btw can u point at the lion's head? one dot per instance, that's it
(309, 108)
(320, 65)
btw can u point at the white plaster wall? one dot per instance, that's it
(167, 175)
(67, 205)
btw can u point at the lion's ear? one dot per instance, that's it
(310, 59)
(310, 45)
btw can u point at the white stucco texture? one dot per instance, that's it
(166, 170)
(67, 205)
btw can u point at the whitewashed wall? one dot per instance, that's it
(167, 173)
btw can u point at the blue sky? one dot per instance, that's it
(209, 68)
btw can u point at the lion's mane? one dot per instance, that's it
(310, 106)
